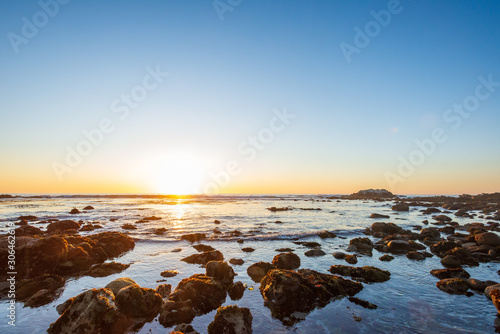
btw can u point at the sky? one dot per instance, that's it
(231, 96)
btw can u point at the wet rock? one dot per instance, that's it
(387, 228)
(93, 311)
(386, 258)
(25, 230)
(216, 222)
(39, 291)
(284, 250)
(375, 194)
(106, 269)
(364, 274)
(314, 252)
(339, 255)
(62, 226)
(362, 303)
(286, 261)
(401, 207)
(413, 255)
(463, 255)
(495, 298)
(237, 262)
(173, 313)
(136, 302)
(74, 211)
(450, 273)
(164, 290)
(176, 250)
(442, 247)
(159, 231)
(352, 259)
(376, 215)
(450, 261)
(275, 209)
(309, 244)
(398, 246)
(86, 228)
(326, 234)
(221, 271)
(431, 210)
(291, 294)
(28, 218)
(258, 270)
(248, 249)
(203, 248)
(453, 286)
(204, 258)
(113, 243)
(119, 283)
(184, 329)
(169, 273)
(442, 218)
(129, 227)
(194, 237)
(231, 320)
(431, 233)
(488, 239)
(476, 284)
(236, 290)
(490, 288)
(88, 207)
(361, 245)
(447, 230)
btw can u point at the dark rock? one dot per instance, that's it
(476, 284)
(442, 247)
(113, 243)
(361, 245)
(372, 194)
(176, 250)
(453, 286)
(447, 230)
(339, 255)
(129, 227)
(398, 246)
(136, 302)
(164, 290)
(231, 320)
(106, 269)
(310, 244)
(495, 298)
(450, 261)
(204, 258)
(463, 255)
(284, 250)
(194, 237)
(290, 294)
(258, 270)
(74, 211)
(387, 228)
(314, 252)
(39, 291)
(413, 255)
(236, 290)
(352, 259)
(386, 258)
(173, 313)
(248, 249)
(488, 238)
(490, 288)
(237, 262)
(119, 283)
(216, 222)
(326, 235)
(401, 207)
(169, 273)
(27, 230)
(220, 271)
(431, 233)
(184, 329)
(376, 215)
(362, 303)
(62, 226)
(28, 218)
(450, 273)
(88, 207)
(366, 273)
(203, 248)
(286, 261)
(442, 218)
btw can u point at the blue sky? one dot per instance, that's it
(353, 119)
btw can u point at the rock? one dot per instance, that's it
(236, 290)
(476, 284)
(363, 245)
(289, 261)
(495, 298)
(88, 207)
(413, 255)
(184, 329)
(398, 246)
(204, 258)
(169, 273)
(136, 302)
(447, 230)
(352, 259)
(248, 249)
(237, 262)
(216, 222)
(326, 235)
(231, 320)
(194, 237)
(284, 250)
(442, 247)
(93, 311)
(164, 290)
(176, 250)
(463, 255)
(376, 215)
(28, 218)
(119, 283)
(451, 261)
(291, 294)
(314, 252)
(129, 227)
(442, 218)
(372, 194)
(309, 244)
(488, 239)
(490, 288)
(113, 243)
(339, 255)
(401, 207)
(203, 248)
(362, 303)
(453, 286)
(86, 228)
(258, 270)
(27, 230)
(386, 258)
(173, 313)
(387, 228)
(39, 291)
(431, 233)
(106, 269)
(450, 273)
(62, 226)
(366, 273)
(221, 271)
(74, 211)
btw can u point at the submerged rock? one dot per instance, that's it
(231, 320)
(286, 261)
(204, 258)
(106, 269)
(289, 293)
(258, 270)
(366, 273)
(39, 291)
(362, 303)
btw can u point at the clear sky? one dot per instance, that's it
(249, 96)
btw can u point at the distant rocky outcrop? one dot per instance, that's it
(372, 194)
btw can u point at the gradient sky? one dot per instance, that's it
(227, 79)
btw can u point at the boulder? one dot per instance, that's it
(221, 271)
(27, 230)
(490, 288)
(314, 252)
(476, 284)
(352, 259)
(386, 258)
(194, 237)
(74, 211)
(488, 239)
(39, 291)
(169, 273)
(364, 274)
(450, 261)
(290, 295)
(326, 234)
(137, 302)
(495, 298)
(414, 255)
(175, 313)
(62, 226)
(231, 320)
(258, 270)
(113, 243)
(203, 248)
(401, 207)
(453, 286)
(398, 246)
(237, 262)
(236, 290)
(361, 245)
(442, 218)
(88, 207)
(450, 273)
(387, 228)
(376, 215)
(204, 258)
(442, 247)
(289, 261)
(164, 290)
(339, 255)
(119, 283)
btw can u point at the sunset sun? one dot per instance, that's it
(177, 175)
